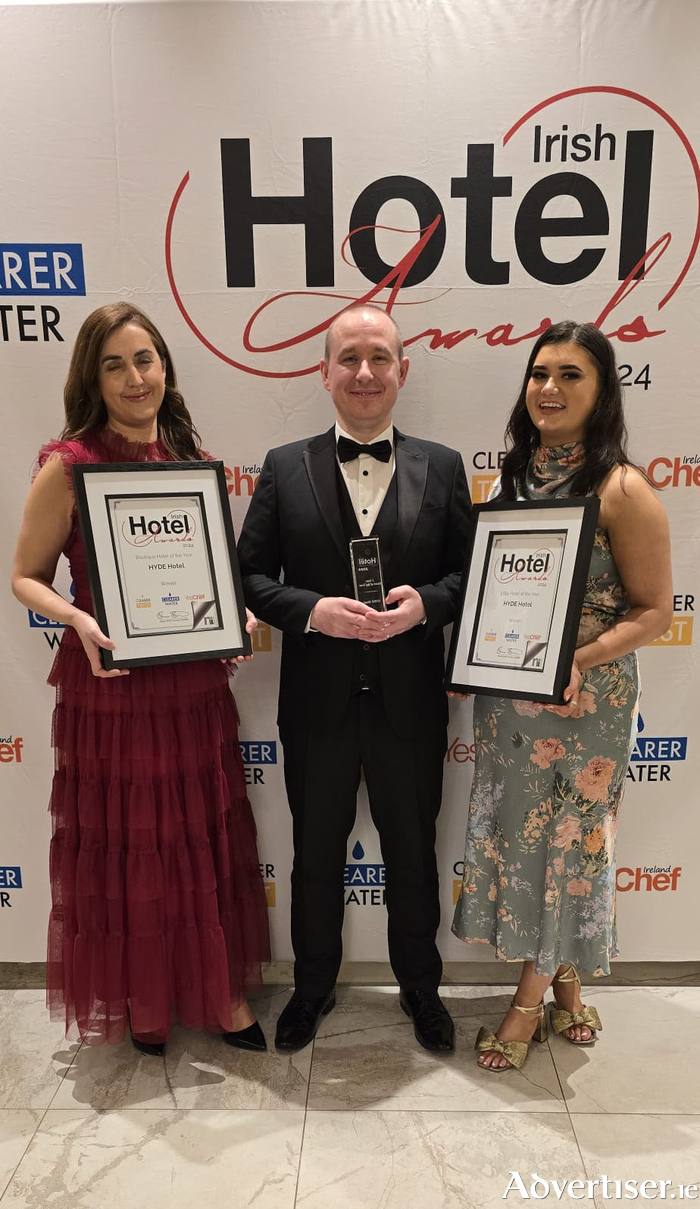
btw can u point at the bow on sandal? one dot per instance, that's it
(515, 1052)
(562, 1020)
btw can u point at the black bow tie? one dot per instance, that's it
(347, 450)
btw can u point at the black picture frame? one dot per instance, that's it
(97, 487)
(573, 515)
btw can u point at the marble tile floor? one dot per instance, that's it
(362, 1119)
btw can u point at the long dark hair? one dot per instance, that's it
(605, 440)
(84, 407)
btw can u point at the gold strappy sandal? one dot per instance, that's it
(562, 1020)
(515, 1052)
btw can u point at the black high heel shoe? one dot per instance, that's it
(251, 1038)
(155, 1049)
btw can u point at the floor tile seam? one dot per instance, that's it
(578, 1143)
(303, 1124)
(653, 1112)
(510, 1112)
(402, 1024)
(59, 1085)
(561, 1085)
(23, 1155)
(88, 1110)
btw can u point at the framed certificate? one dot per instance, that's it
(161, 560)
(522, 595)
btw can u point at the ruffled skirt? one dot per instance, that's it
(158, 911)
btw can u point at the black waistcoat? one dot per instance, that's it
(365, 663)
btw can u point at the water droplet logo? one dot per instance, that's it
(358, 851)
(640, 723)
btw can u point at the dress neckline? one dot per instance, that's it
(552, 467)
(126, 450)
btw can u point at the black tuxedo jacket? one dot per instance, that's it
(294, 527)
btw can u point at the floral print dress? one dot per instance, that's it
(539, 866)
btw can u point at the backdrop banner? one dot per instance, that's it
(242, 171)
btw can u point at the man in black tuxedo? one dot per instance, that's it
(359, 688)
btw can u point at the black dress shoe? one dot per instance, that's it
(251, 1038)
(432, 1023)
(298, 1023)
(156, 1049)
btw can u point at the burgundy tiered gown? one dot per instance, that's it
(159, 911)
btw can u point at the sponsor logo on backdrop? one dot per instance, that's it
(364, 882)
(268, 875)
(576, 196)
(261, 638)
(458, 871)
(52, 630)
(675, 470)
(10, 880)
(680, 632)
(11, 749)
(258, 755)
(646, 877)
(459, 752)
(242, 480)
(39, 270)
(487, 464)
(481, 487)
(653, 758)
(649, 878)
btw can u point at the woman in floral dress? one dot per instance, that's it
(539, 869)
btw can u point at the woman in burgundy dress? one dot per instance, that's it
(158, 905)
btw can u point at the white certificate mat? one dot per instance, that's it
(518, 594)
(162, 562)
(167, 581)
(522, 594)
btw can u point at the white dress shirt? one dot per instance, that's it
(367, 479)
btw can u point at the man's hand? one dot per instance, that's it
(376, 627)
(339, 616)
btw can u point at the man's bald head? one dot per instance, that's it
(362, 306)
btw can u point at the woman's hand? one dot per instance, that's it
(93, 639)
(250, 625)
(459, 696)
(571, 694)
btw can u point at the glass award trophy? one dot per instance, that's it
(367, 572)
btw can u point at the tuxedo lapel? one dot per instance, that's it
(319, 459)
(411, 476)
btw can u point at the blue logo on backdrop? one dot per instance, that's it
(42, 268)
(10, 879)
(259, 752)
(256, 754)
(365, 883)
(651, 758)
(36, 621)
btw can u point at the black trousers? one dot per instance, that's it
(404, 786)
